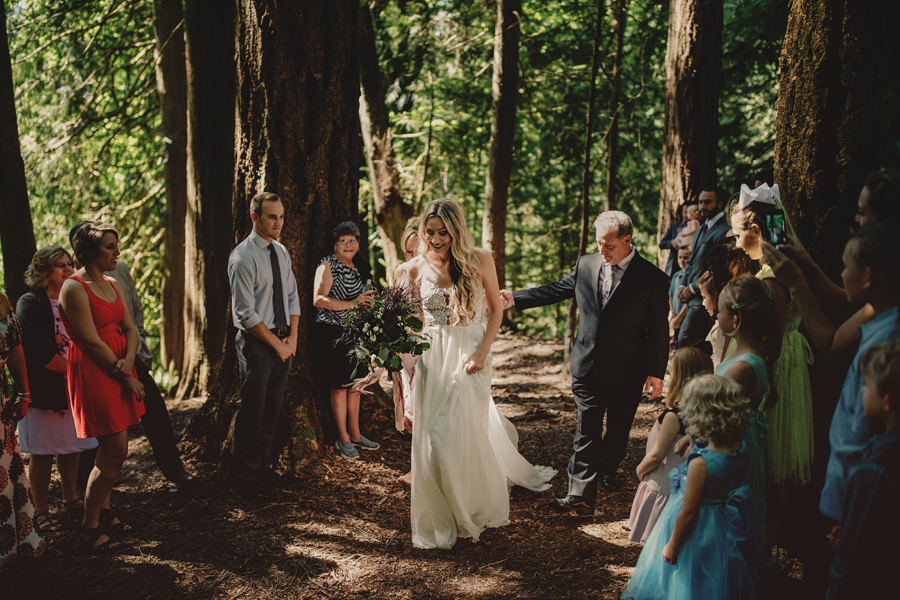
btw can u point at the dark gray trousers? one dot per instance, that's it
(596, 455)
(695, 326)
(264, 378)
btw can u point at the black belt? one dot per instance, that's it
(282, 333)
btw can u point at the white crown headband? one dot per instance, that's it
(763, 194)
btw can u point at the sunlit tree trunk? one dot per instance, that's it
(297, 135)
(171, 84)
(503, 131)
(391, 211)
(612, 138)
(16, 230)
(693, 81)
(572, 318)
(838, 114)
(211, 83)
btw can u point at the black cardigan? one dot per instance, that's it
(48, 388)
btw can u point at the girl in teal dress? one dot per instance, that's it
(701, 546)
(746, 306)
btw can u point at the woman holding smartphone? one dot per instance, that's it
(790, 440)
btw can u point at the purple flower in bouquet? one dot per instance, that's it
(388, 327)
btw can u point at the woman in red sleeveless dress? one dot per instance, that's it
(104, 392)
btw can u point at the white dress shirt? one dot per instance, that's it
(250, 276)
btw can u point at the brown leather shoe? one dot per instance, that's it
(572, 505)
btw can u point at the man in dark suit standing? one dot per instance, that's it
(696, 323)
(622, 346)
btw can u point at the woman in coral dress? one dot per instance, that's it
(104, 392)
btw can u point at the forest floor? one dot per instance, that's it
(342, 530)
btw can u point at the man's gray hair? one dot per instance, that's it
(615, 221)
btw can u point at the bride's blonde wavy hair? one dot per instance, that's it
(714, 409)
(462, 252)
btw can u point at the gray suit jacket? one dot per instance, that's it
(632, 328)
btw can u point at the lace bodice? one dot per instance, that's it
(438, 305)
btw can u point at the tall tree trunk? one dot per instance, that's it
(211, 84)
(297, 135)
(391, 211)
(503, 131)
(16, 229)
(693, 80)
(838, 114)
(572, 318)
(612, 140)
(171, 83)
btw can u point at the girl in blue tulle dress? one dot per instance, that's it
(701, 546)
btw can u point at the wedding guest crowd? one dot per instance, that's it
(737, 430)
(763, 297)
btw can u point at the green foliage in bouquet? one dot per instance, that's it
(385, 329)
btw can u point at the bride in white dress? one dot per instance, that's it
(464, 452)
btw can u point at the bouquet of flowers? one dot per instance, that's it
(385, 329)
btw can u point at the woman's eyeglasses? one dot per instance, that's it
(63, 265)
(348, 242)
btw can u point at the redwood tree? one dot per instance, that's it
(503, 131)
(586, 178)
(211, 85)
(297, 134)
(16, 230)
(391, 211)
(171, 84)
(612, 139)
(838, 114)
(693, 80)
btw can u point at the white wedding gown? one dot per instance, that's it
(464, 452)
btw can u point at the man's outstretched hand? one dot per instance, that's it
(506, 298)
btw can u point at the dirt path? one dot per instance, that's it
(343, 530)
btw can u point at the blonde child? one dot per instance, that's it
(685, 235)
(653, 493)
(699, 547)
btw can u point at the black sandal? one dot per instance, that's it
(107, 516)
(76, 512)
(47, 524)
(90, 545)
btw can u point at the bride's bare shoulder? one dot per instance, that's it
(414, 267)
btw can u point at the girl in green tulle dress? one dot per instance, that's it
(790, 440)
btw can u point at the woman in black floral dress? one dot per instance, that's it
(18, 535)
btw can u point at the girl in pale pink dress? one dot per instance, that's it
(653, 493)
(685, 237)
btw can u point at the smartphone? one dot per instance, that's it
(775, 223)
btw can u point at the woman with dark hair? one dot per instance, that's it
(48, 430)
(18, 536)
(104, 392)
(341, 284)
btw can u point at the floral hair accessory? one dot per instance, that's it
(763, 194)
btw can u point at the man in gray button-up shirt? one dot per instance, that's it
(264, 300)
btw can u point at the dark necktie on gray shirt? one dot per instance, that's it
(277, 290)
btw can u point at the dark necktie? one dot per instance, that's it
(703, 229)
(277, 290)
(607, 274)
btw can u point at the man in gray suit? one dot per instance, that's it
(697, 322)
(622, 346)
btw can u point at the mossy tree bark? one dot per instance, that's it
(297, 135)
(838, 114)
(211, 95)
(693, 81)
(16, 229)
(171, 84)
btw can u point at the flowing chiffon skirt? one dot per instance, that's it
(464, 452)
